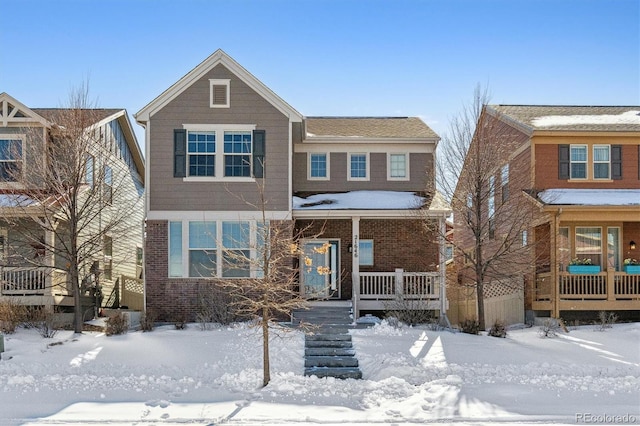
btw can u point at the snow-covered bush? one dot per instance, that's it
(498, 329)
(147, 320)
(470, 326)
(42, 320)
(549, 328)
(215, 306)
(116, 324)
(12, 315)
(605, 320)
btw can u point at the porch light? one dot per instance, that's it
(632, 245)
(350, 248)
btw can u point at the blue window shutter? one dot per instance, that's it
(616, 162)
(259, 151)
(179, 153)
(563, 162)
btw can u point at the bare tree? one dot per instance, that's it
(77, 206)
(272, 291)
(492, 213)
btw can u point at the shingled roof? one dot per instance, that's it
(51, 114)
(368, 127)
(573, 118)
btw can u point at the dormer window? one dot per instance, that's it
(10, 159)
(219, 93)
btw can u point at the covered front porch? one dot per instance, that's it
(377, 258)
(583, 252)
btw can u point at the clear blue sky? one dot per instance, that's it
(326, 57)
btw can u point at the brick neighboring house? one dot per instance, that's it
(30, 272)
(580, 166)
(219, 134)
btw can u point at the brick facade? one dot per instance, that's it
(399, 243)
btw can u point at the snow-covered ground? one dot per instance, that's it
(411, 375)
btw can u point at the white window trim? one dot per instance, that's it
(23, 138)
(219, 250)
(594, 162)
(327, 157)
(586, 162)
(219, 82)
(367, 172)
(219, 130)
(407, 172)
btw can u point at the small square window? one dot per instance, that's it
(220, 92)
(318, 166)
(397, 167)
(358, 167)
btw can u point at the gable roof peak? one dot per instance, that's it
(216, 58)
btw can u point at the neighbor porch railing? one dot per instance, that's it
(35, 280)
(605, 290)
(419, 289)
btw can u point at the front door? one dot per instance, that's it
(319, 269)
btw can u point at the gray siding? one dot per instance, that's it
(419, 166)
(192, 107)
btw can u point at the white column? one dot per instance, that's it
(355, 265)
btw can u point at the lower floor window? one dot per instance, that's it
(365, 252)
(227, 249)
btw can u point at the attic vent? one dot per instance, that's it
(219, 93)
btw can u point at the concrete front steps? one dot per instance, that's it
(328, 348)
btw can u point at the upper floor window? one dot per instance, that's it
(578, 161)
(219, 93)
(397, 167)
(504, 180)
(10, 159)
(601, 161)
(201, 149)
(237, 154)
(358, 167)
(605, 164)
(89, 169)
(107, 188)
(318, 166)
(203, 152)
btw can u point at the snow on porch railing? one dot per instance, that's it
(390, 285)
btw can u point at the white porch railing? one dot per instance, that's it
(377, 289)
(26, 281)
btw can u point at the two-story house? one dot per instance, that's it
(225, 153)
(34, 226)
(580, 167)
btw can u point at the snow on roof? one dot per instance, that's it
(360, 200)
(591, 197)
(629, 117)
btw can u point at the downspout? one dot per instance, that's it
(442, 266)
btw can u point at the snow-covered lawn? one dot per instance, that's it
(411, 375)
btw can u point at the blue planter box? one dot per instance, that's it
(632, 269)
(583, 269)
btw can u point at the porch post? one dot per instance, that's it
(555, 279)
(49, 260)
(355, 265)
